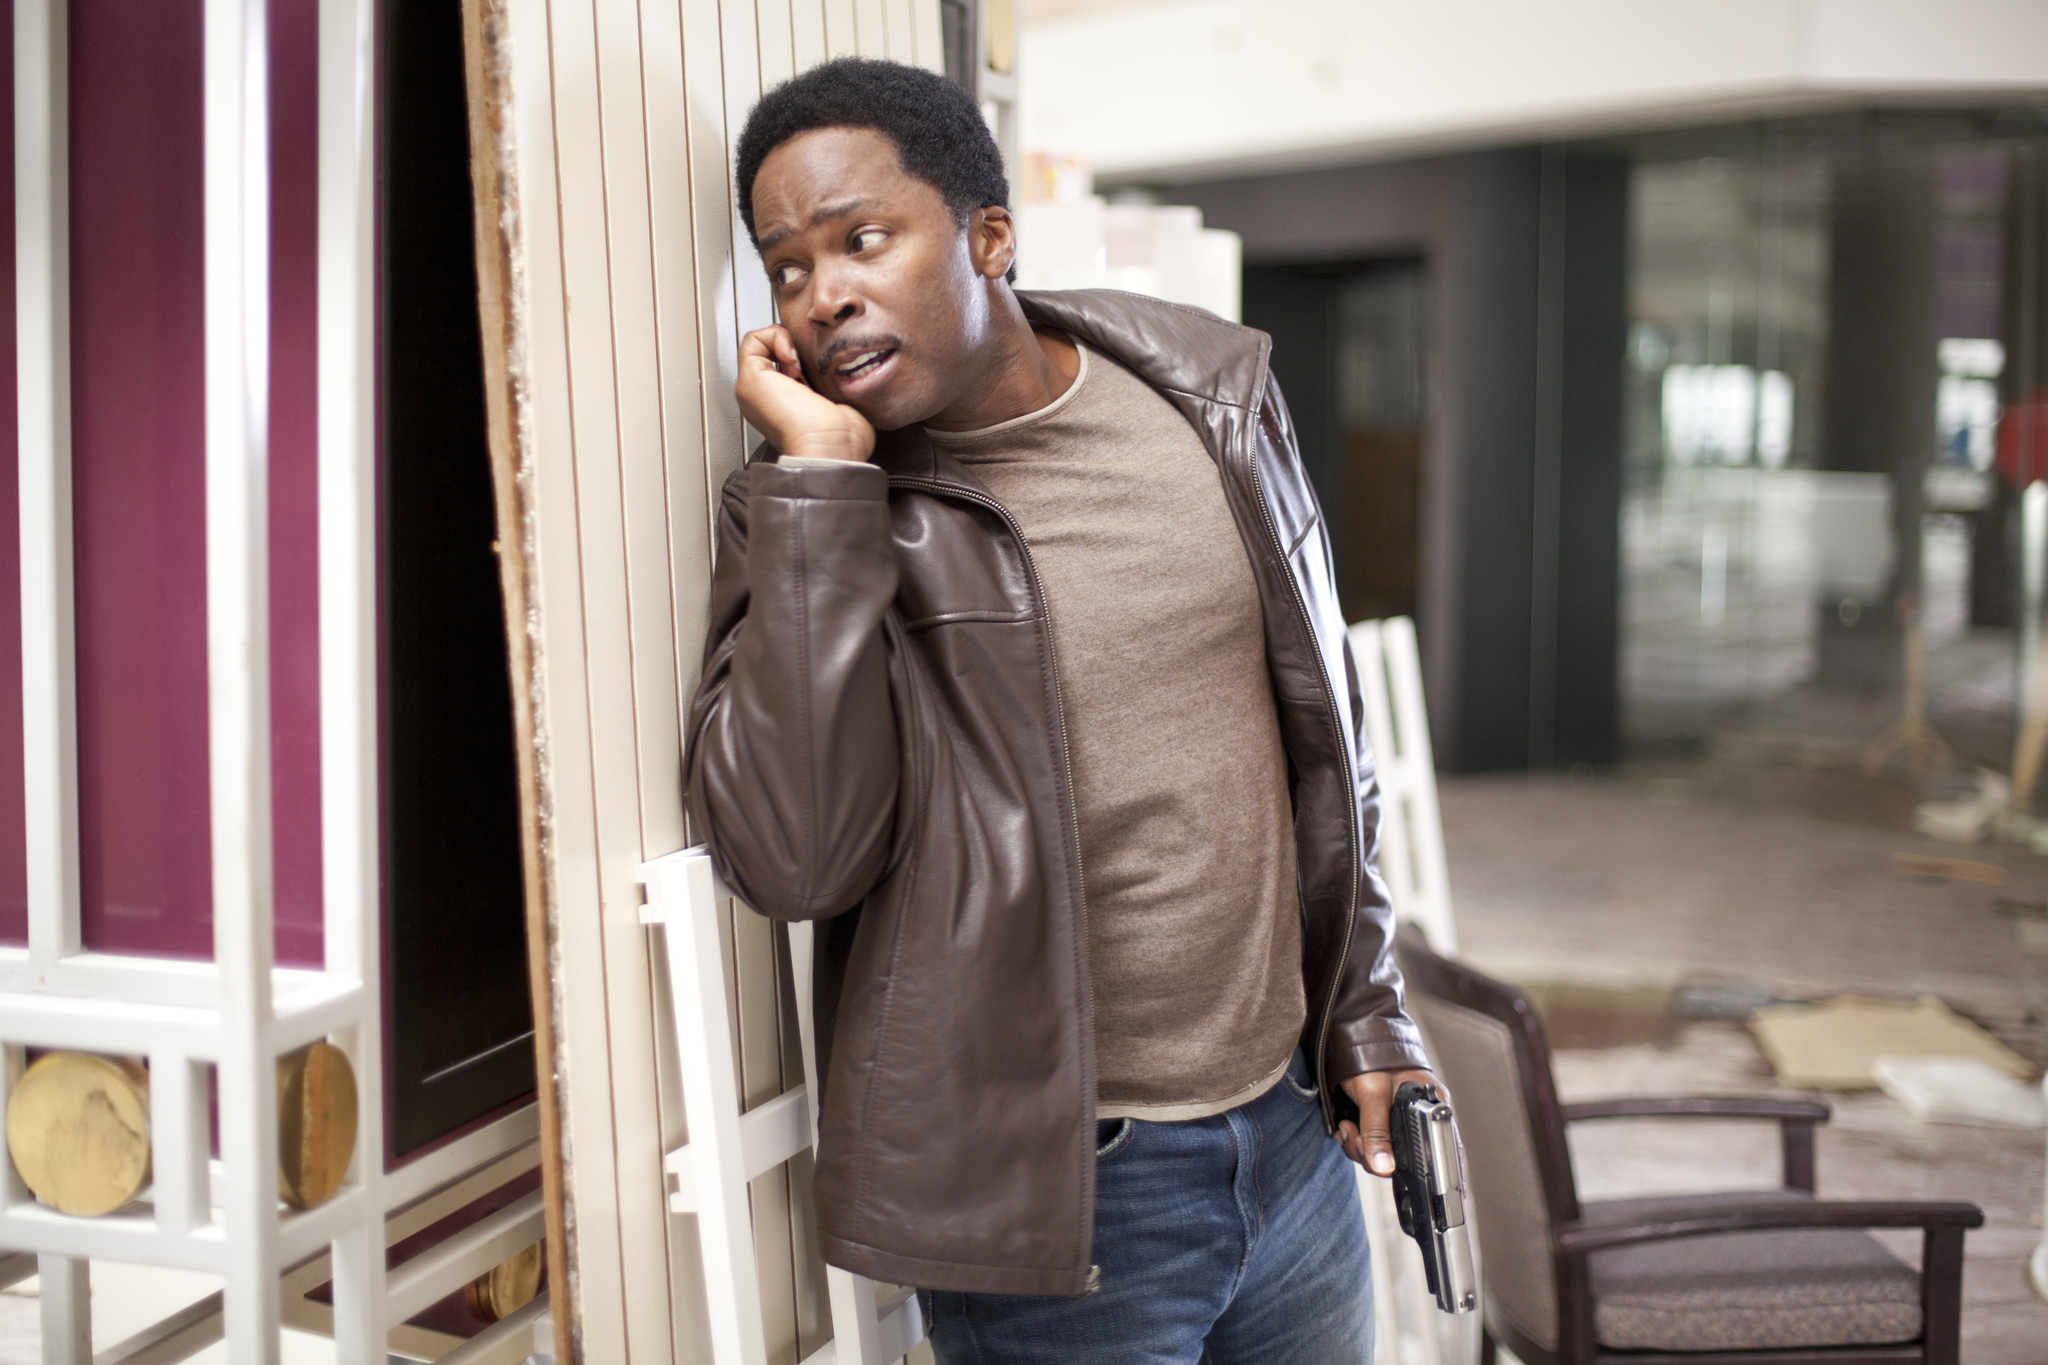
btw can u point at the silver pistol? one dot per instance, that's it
(1429, 1193)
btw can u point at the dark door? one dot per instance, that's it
(459, 1014)
(1348, 350)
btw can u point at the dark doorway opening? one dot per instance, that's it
(1348, 349)
(458, 1013)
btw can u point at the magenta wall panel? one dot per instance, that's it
(138, 477)
(294, 500)
(13, 850)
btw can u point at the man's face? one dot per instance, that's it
(872, 276)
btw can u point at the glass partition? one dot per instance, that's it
(138, 488)
(138, 431)
(1832, 404)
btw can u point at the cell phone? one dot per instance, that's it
(1429, 1193)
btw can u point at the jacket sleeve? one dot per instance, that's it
(1369, 1025)
(1370, 1029)
(791, 753)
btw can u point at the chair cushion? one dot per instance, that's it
(1748, 1290)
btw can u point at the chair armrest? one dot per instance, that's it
(1796, 1120)
(1699, 1107)
(1705, 1220)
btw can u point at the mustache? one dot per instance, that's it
(856, 346)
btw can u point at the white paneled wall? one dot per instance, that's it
(617, 283)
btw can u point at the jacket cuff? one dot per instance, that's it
(841, 481)
(1375, 1043)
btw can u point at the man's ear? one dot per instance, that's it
(992, 241)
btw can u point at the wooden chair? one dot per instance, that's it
(1765, 1278)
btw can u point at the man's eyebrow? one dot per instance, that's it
(824, 213)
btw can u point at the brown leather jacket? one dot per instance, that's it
(877, 743)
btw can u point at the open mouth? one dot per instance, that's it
(865, 364)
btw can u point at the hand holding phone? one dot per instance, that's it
(781, 404)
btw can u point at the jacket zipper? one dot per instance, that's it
(1059, 710)
(1337, 725)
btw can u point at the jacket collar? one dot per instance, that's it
(1174, 348)
(1181, 351)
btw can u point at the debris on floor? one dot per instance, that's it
(1960, 1090)
(1833, 1045)
(1971, 819)
(1596, 1014)
(1736, 998)
(1947, 869)
(2028, 831)
(1769, 882)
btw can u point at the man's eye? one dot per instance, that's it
(864, 239)
(784, 276)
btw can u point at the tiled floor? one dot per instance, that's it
(1626, 889)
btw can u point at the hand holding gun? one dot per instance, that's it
(1429, 1193)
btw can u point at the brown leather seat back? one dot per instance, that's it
(1476, 1057)
(1490, 1050)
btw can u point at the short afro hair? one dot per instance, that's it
(940, 135)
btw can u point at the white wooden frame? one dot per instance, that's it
(1408, 1325)
(729, 1148)
(1411, 826)
(238, 1013)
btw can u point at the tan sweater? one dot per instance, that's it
(1187, 848)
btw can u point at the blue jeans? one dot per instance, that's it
(1226, 1240)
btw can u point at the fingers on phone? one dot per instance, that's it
(772, 342)
(782, 349)
(771, 347)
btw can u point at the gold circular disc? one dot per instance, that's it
(316, 1123)
(78, 1130)
(507, 1287)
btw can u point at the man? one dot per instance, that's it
(1026, 678)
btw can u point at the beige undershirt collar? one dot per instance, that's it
(1051, 409)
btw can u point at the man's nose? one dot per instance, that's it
(834, 301)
